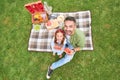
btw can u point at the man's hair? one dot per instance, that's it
(69, 18)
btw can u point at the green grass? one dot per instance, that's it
(103, 63)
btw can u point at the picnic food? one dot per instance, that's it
(67, 51)
(36, 27)
(37, 11)
(48, 24)
(37, 17)
(51, 24)
(60, 18)
(55, 23)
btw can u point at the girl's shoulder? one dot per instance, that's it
(52, 40)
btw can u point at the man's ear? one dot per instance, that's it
(76, 25)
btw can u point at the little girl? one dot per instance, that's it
(58, 43)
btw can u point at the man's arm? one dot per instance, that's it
(80, 41)
(74, 50)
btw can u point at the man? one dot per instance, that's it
(75, 41)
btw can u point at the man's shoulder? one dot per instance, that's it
(79, 33)
(79, 38)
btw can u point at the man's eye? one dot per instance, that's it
(65, 26)
(70, 26)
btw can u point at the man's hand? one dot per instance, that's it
(77, 49)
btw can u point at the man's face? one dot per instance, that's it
(69, 27)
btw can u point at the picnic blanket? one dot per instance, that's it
(40, 40)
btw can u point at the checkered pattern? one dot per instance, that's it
(40, 40)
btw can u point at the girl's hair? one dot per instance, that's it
(62, 31)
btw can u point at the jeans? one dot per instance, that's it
(67, 58)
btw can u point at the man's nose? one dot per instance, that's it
(67, 28)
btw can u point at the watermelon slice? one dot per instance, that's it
(48, 23)
(57, 47)
(67, 51)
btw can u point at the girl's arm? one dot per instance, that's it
(52, 44)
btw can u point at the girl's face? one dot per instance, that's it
(59, 36)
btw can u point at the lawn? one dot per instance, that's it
(17, 63)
